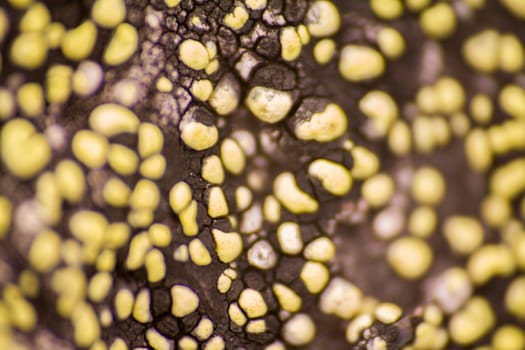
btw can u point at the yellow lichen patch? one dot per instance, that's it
(422, 221)
(472, 322)
(428, 336)
(108, 13)
(252, 303)
(321, 249)
(323, 19)
(116, 193)
(237, 18)
(481, 108)
(324, 126)
(515, 298)
(388, 313)
(44, 254)
(495, 210)
(228, 245)
(106, 261)
(341, 298)
(511, 54)
(58, 83)
(85, 325)
(378, 190)
(171, 4)
(508, 337)
(99, 286)
(202, 89)
(122, 159)
(334, 177)
(410, 257)
(204, 329)
(4, 24)
(24, 151)
(256, 326)
(358, 63)
(122, 45)
(53, 34)
(243, 198)
(289, 238)
(155, 265)
(399, 138)
(20, 312)
(160, 235)
(180, 196)
(7, 104)
(153, 167)
(87, 78)
(478, 150)
(212, 170)
(187, 342)
(358, 325)
(291, 45)
(315, 276)
(198, 136)
(288, 299)
(70, 285)
(145, 195)
(30, 99)
(139, 246)
(387, 9)
(291, 196)
(428, 186)
(391, 42)
(188, 219)
(141, 308)
(271, 209)
(269, 105)
(324, 51)
(299, 330)
(150, 139)
(515, 7)
(236, 314)
(480, 51)
(381, 108)
(489, 261)
(88, 226)
(90, 148)
(193, 54)
(217, 204)
(184, 300)
(256, 4)
(508, 181)
(29, 283)
(232, 156)
(5, 216)
(366, 163)
(78, 43)
(157, 341)
(124, 300)
(438, 21)
(111, 119)
(199, 254)
(450, 95)
(29, 50)
(140, 217)
(464, 234)
(48, 197)
(215, 343)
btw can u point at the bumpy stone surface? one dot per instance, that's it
(262, 174)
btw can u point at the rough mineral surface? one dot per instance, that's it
(262, 174)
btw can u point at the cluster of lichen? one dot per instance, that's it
(165, 168)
